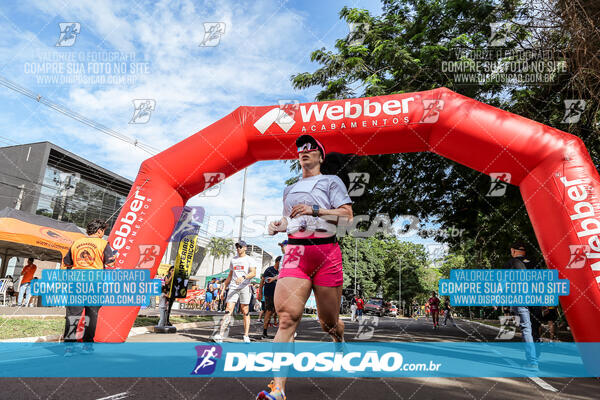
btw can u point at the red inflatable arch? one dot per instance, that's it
(553, 169)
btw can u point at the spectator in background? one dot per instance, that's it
(550, 315)
(208, 301)
(283, 245)
(353, 309)
(519, 260)
(163, 303)
(25, 288)
(91, 252)
(10, 288)
(251, 305)
(33, 300)
(223, 296)
(268, 282)
(360, 306)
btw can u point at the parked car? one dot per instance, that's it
(375, 306)
(392, 311)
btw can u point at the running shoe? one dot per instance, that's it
(217, 338)
(69, 351)
(87, 349)
(533, 367)
(247, 339)
(275, 394)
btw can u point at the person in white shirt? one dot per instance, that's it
(241, 271)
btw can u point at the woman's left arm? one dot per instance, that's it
(342, 211)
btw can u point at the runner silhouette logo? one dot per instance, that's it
(207, 359)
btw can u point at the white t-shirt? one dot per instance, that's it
(240, 267)
(326, 191)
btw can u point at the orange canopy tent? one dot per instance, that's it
(27, 235)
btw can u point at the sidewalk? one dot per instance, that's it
(31, 312)
(41, 312)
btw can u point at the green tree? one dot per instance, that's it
(219, 248)
(404, 50)
(377, 261)
(213, 248)
(227, 246)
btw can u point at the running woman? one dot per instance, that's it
(434, 307)
(241, 271)
(312, 259)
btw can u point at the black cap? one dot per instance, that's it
(309, 139)
(518, 245)
(278, 259)
(241, 243)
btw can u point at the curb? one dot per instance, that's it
(140, 330)
(34, 339)
(24, 316)
(480, 323)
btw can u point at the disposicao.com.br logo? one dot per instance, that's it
(312, 363)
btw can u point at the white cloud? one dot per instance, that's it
(264, 44)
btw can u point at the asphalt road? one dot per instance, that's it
(383, 329)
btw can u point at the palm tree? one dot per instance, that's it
(226, 248)
(219, 248)
(214, 249)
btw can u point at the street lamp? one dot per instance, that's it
(243, 201)
(355, 262)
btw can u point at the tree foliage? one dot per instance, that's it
(377, 262)
(404, 50)
(219, 248)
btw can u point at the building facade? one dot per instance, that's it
(42, 178)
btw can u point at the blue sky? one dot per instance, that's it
(265, 42)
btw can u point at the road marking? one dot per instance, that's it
(543, 384)
(539, 381)
(116, 396)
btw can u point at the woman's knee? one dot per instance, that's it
(288, 319)
(331, 325)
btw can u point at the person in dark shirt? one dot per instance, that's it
(88, 253)
(268, 282)
(519, 260)
(448, 313)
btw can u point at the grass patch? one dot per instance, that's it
(16, 328)
(11, 328)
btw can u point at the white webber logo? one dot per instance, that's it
(284, 116)
(277, 116)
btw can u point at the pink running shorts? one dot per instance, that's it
(319, 263)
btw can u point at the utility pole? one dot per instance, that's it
(243, 202)
(355, 262)
(400, 286)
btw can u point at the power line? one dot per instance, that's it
(78, 117)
